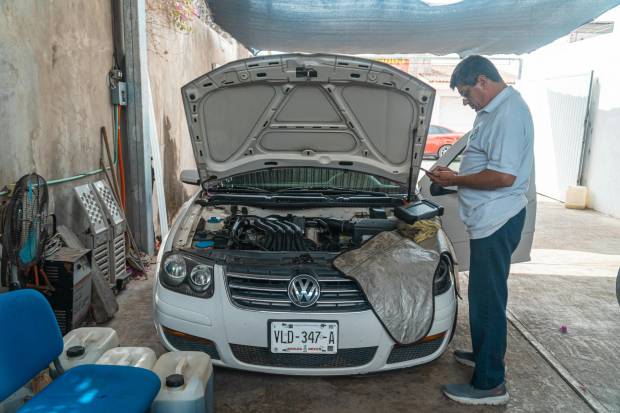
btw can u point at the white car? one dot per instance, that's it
(300, 158)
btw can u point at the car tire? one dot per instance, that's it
(456, 318)
(442, 150)
(618, 287)
(456, 312)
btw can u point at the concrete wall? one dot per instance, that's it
(174, 59)
(54, 96)
(602, 55)
(54, 61)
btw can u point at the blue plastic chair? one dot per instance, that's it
(31, 340)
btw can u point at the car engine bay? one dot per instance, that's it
(238, 229)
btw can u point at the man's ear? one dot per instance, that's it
(483, 81)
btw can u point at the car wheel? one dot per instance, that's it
(442, 151)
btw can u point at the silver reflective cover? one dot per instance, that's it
(396, 274)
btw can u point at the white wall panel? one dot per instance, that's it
(559, 108)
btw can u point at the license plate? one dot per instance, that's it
(307, 337)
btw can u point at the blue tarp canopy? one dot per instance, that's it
(403, 26)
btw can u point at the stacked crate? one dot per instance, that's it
(116, 228)
(91, 226)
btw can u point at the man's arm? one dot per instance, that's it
(487, 179)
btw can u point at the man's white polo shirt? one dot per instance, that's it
(502, 139)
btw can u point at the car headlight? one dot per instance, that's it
(443, 278)
(201, 278)
(175, 269)
(186, 274)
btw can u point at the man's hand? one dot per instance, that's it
(443, 176)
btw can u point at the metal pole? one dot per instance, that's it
(587, 130)
(138, 161)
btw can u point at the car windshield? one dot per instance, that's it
(299, 179)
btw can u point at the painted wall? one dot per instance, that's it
(602, 55)
(175, 58)
(54, 96)
(54, 62)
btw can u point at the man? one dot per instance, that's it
(492, 184)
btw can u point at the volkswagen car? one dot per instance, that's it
(301, 158)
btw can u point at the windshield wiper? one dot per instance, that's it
(237, 189)
(330, 190)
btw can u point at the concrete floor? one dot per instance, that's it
(570, 282)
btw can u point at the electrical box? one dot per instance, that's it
(71, 276)
(118, 93)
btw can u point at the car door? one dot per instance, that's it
(451, 221)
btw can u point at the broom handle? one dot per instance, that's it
(104, 136)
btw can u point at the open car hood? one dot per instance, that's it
(308, 110)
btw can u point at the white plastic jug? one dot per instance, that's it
(129, 356)
(186, 383)
(86, 345)
(576, 197)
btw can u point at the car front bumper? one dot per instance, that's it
(238, 338)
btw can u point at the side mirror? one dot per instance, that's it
(190, 176)
(438, 190)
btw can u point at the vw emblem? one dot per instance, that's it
(304, 290)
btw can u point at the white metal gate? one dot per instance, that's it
(559, 109)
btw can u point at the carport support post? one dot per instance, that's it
(136, 148)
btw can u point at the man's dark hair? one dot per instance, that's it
(467, 71)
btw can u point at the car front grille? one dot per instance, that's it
(414, 351)
(262, 288)
(346, 357)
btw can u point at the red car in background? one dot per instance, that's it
(439, 140)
